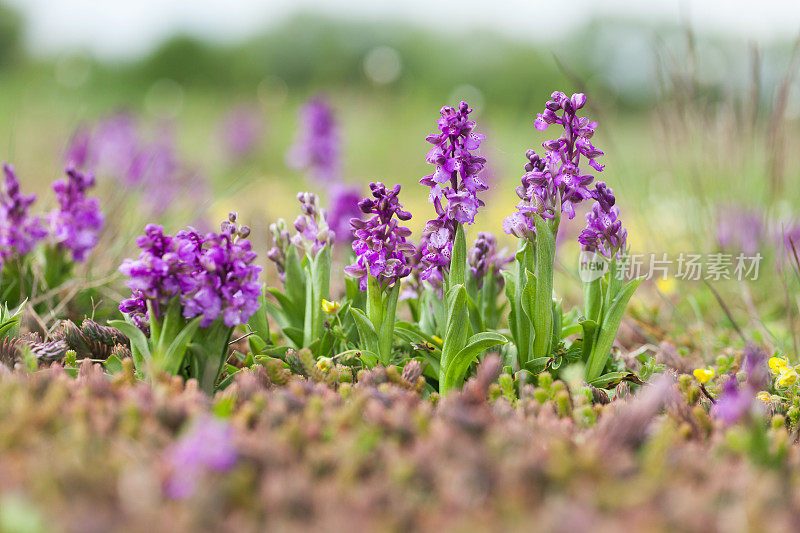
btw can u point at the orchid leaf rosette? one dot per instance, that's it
(382, 252)
(454, 187)
(189, 291)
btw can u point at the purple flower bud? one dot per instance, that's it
(484, 259)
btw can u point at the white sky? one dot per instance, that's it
(120, 28)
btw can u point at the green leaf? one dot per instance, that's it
(295, 280)
(9, 327)
(543, 302)
(455, 336)
(514, 310)
(292, 311)
(614, 285)
(475, 318)
(113, 365)
(259, 321)
(140, 349)
(458, 259)
(173, 356)
(412, 333)
(317, 287)
(593, 299)
(294, 335)
(608, 330)
(385, 329)
(369, 358)
(456, 369)
(589, 328)
(612, 379)
(224, 384)
(366, 332)
(274, 351)
(170, 326)
(256, 343)
(572, 329)
(155, 323)
(537, 366)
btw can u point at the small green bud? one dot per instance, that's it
(563, 406)
(541, 395)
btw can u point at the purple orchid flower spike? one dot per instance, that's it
(454, 187)
(556, 178)
(380, 243)
(78, 221)
(19, 232)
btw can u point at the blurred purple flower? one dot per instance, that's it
(343, 207)
(380, 244)
(484, 258)
(317, 144)
(281, 240)
(736, 399)
(734, 402)
(739, 229)
(240, 131)
(77, 154)
(19, 232)
(118, 147)
(78, 221)
(791, 238)
(208, 446)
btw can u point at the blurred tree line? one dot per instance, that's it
(621, 61)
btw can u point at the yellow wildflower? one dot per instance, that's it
(667, 285)
(324, 363)
(777, 363)
(787, 377)
(330, 307)
(703, 375)
(764, 396)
